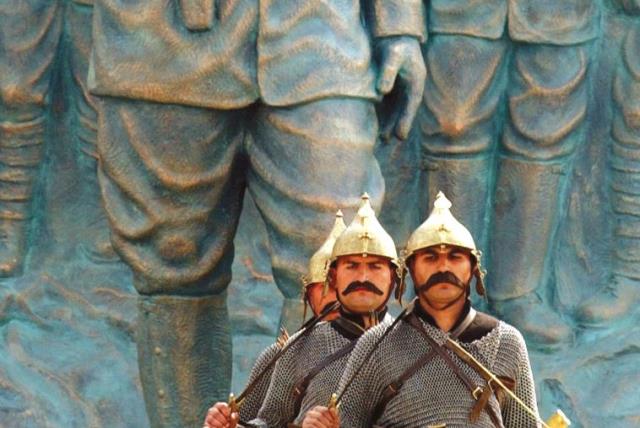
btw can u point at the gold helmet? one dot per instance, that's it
(442, 228)
(319, 262)
(366, 236)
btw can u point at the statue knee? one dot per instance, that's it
(547, 101)
(21, 102)
(461, 121)
(177, 263)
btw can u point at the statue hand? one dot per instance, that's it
(220, 416)
(321, 417)
(401, 65)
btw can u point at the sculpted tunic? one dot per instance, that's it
(434, 394)
(555, 22)
(282, 51)
(325, 339)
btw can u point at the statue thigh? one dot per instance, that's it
(306, 161)
(458, 122)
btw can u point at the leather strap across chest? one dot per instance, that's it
(301, 387)
(481, 395)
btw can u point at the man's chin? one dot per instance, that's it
(438, 301)
(360, 307)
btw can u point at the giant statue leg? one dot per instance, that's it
(306, 162)
(622, 293)
(547, 106)
(458, 123)
(172, 185)
(29, 35)
(95, 243)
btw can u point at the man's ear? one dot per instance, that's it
(331, 275)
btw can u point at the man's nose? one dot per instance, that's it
(363, 273)
(443, 264)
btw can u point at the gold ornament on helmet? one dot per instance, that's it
(442, 228)
(365, 236)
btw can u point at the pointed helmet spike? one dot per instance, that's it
(440, 228)
(365, 236)
(441, 202)
(319, 262)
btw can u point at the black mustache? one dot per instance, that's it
(369, 286)
(442, 277)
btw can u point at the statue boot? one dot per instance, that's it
(288, 279)
(538, 322)
(97, 242)
(184, 350)
(292, 313)
(21, 153)
(13, 245)
(618, 299)
(622, 293)
(525, 220)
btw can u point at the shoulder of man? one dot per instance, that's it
(268, 353)
(481, 326)
(510, 354)
(296, 341)
(511, 340)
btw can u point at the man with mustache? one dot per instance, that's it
(319, 293)
(406, 376)
(364, 270)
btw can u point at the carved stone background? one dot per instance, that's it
(67, 352)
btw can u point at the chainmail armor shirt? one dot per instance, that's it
(278, 408)
(434, 394)
(253, 401)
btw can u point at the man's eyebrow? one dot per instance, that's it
(428, 251)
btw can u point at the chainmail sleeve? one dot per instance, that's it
(277, 408)
(253, 401)
(360, 397)
(512, 360)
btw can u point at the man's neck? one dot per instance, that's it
(365, 321)
(445, 318)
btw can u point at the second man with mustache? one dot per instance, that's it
(364, 267)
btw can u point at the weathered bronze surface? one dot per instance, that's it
(529, 123)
